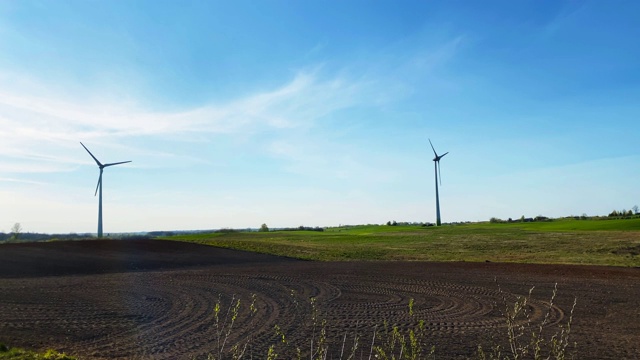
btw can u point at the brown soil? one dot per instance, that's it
(155, 300)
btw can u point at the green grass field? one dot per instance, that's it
(564, 241)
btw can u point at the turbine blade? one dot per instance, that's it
(434, 150)
(99, 183)
(94, 158)
(441, 156)
(118, 163)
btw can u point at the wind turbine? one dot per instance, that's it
(99, 186)
(436, 163)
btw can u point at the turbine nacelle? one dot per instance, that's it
(437, 158)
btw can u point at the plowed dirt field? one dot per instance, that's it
(150, 299)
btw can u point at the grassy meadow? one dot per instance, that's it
(562, 241)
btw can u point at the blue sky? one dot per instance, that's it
(315, 113)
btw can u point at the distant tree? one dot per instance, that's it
(495, 220)
(635, 209)
(613, 213)
(389, 223)
(522, 218)
(394, 223)
(264, 228)
(16, 230)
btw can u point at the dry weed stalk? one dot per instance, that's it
(526, 339)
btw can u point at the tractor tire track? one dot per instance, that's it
(169, 312)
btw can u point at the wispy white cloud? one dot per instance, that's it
(335, 161)
(430, 59)
(567, 14)
(23, 181)
(37, 127)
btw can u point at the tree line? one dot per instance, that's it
(625, 213)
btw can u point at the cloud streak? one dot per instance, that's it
(35, 127)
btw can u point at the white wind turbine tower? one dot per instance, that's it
(436, 163)
(99, 186)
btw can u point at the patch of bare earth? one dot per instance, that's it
(155, 300)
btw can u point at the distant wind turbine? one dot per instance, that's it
(99, 186)
(436, 163)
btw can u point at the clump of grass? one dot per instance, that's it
(21, 354)
(391, 342)
(394, 343)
